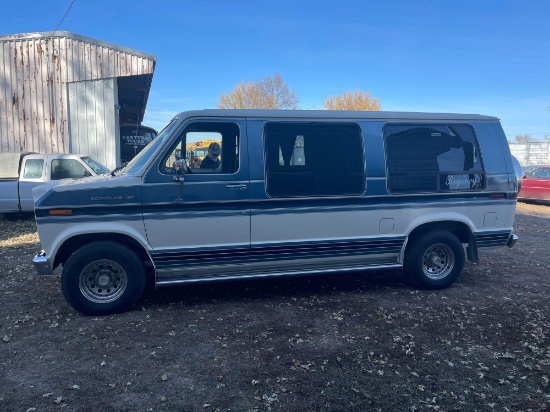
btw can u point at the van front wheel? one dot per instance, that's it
(103, 278)
(434, 260)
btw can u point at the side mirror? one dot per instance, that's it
(180, 168)
(87, 174)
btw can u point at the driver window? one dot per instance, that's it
(206, 148)
(203, 150)
(67, 169)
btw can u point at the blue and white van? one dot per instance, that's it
(291, 193)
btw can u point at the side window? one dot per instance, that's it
(208, 147)
(33, 168)
(67, 169)
(432, 157)
(541, 173)
(314, 159)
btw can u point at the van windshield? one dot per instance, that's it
(142, 157)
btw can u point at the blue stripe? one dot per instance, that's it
(304, 206)
(285, 251)
(103, 218)
(194, 210)
(489, 239)
(81, 196)
(95, 210)
(202, 256)
(377, 245)
(163, 211)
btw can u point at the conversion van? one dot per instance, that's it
(286, 193)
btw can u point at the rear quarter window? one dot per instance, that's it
(441, 157)
(33, 168)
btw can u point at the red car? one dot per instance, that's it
(536, 184)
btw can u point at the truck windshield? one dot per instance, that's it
(97, 167)
(142, 157)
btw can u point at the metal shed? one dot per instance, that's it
(65, 93)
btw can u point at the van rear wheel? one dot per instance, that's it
(103, 278)
(434, 260)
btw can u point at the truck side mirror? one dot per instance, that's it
(180, 168)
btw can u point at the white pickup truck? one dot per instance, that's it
(21, 172)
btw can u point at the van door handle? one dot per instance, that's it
(238, 186)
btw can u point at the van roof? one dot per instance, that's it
(334, 114)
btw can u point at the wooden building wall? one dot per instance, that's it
(38, 72)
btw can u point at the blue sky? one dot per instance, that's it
(469, 56)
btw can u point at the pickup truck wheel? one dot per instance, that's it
(434, 260)
(103, 278)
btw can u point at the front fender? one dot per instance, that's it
(55, 235)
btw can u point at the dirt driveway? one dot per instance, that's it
(331, 343)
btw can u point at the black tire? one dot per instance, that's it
(434, 260)
(103, 278)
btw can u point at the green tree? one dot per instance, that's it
(356, 100)
(272, 92)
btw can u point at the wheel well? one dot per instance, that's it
(76, 242)
(459, 229)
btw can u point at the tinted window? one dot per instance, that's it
(432, 157)
(33, 168)
(314, 159)
(208, 147)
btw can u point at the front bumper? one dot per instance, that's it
(512, 239)
(41, 265)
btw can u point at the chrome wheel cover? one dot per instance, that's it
(438, 261)
(103, 281)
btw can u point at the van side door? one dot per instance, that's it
(199, 227)
(308, 211)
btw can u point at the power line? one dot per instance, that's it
(65, 15)
(50, 68)
(63, 57)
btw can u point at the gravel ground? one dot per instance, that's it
(328, 343)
